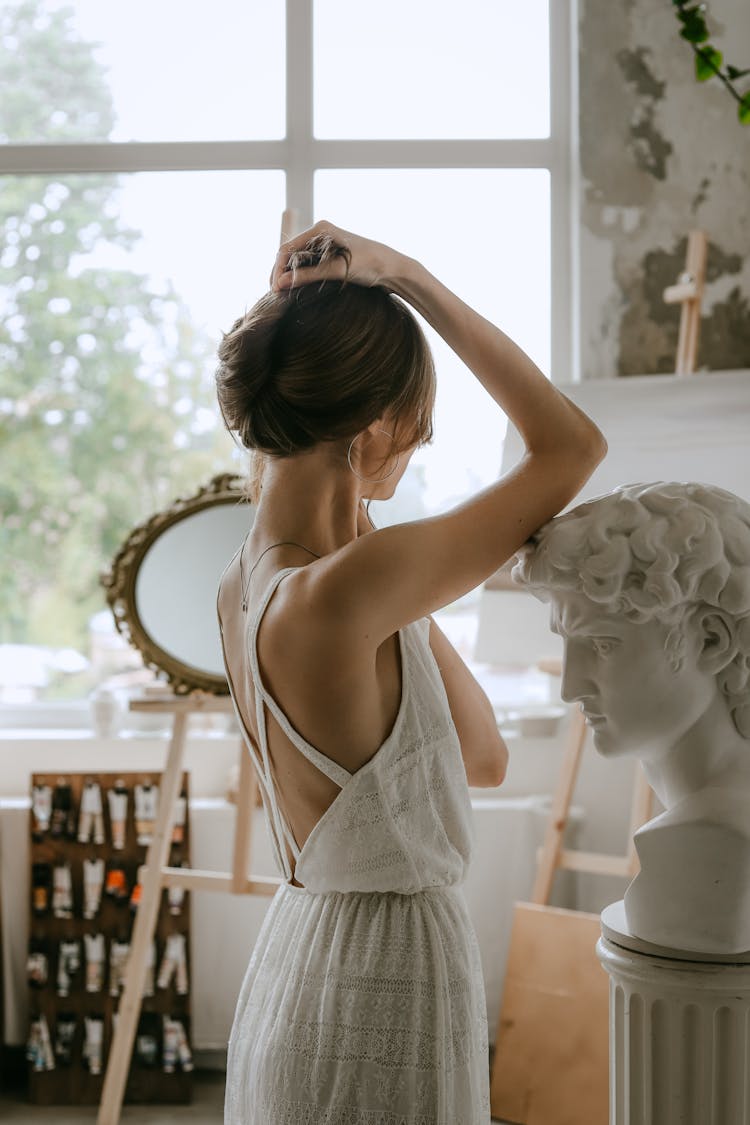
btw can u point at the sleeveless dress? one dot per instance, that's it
(363, 1002)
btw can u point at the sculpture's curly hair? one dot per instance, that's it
(651, 551)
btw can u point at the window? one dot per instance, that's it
(146, 155)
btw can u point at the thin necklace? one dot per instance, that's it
(284, 542)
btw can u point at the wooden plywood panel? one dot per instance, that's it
(551, 1064)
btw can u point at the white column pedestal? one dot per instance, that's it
(679, 1031)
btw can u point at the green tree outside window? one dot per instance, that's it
(92, 360)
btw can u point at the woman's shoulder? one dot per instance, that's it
(298, 629)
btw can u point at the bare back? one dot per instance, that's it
(341, 698)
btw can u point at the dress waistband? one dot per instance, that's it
(442, 888)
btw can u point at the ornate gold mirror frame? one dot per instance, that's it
(161, 585)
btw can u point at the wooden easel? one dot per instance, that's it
(551, 1048)
(552, 856)
(689, 293)
(157, 876)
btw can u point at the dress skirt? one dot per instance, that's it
(361, 1008)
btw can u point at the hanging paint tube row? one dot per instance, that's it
(52, 887)
(70, 963)
(175, 1047)
(54, 815)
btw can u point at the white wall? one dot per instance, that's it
(509, 830)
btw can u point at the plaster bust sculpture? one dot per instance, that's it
(649, 587)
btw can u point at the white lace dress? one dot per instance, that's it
(363, 1002)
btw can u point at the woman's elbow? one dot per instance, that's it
(600, 446)
(497, 766)
(501, 763)
(587, 456)
(594, 449)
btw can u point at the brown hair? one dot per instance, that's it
(321, 362)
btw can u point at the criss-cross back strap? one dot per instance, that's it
(331, 769)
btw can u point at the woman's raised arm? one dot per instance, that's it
(397, 574)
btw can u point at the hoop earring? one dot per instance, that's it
(371, 480)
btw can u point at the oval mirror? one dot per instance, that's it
(163, 582)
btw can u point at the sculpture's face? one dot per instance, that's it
(620, 673)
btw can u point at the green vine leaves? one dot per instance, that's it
(708, 60)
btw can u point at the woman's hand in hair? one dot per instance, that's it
(328, 253)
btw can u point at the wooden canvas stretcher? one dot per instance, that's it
(688, 292)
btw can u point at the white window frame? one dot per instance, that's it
(300, 154)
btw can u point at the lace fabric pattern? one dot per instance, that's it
(363, 1002)
(381, 1018)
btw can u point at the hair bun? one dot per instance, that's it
(319, 363)
(247, 363)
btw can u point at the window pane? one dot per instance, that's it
(114, 294)
(86, 70)
(432, 68)
(486, 235)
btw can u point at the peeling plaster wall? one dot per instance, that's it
(660, 153)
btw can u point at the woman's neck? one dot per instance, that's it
(306, 499)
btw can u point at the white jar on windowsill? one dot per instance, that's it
(106, 712)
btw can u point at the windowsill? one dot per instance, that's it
(73, 720)
(85, 734)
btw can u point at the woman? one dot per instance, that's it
(363, 1000)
